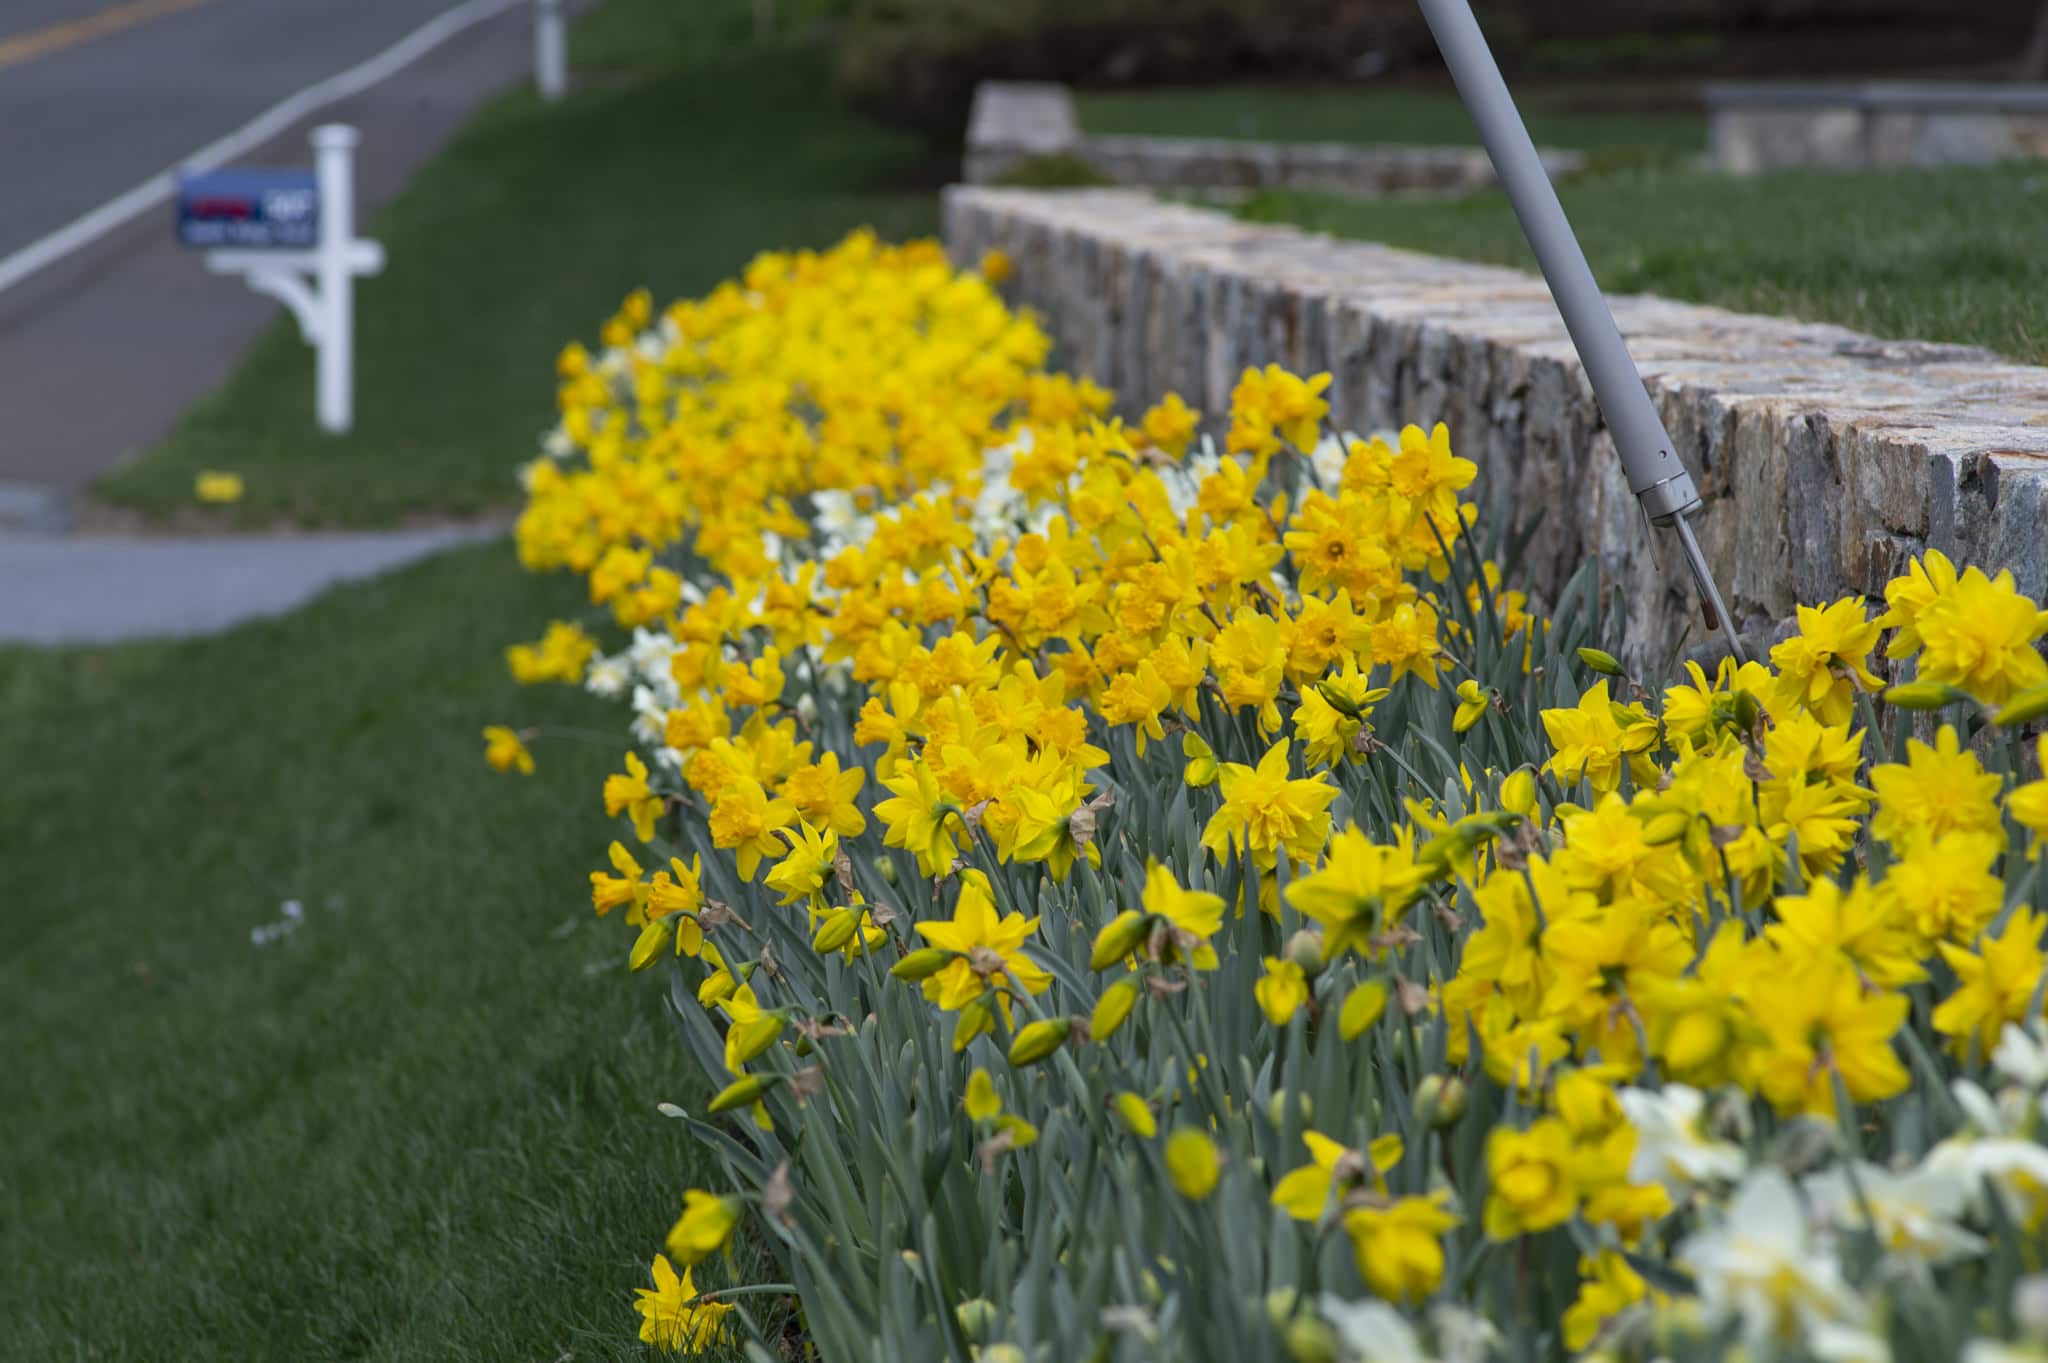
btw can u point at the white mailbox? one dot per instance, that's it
(294, 240)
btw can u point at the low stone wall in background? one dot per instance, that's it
(1876, 123)
(1017, 121)
(1826, 458)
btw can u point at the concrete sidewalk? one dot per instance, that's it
(103, 589)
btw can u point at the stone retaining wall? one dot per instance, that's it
(1228, 163)
(1876, 123)
(1015, 121)
(1826, 457)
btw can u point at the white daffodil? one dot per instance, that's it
(1372, 1331)
(1463, 1336)
(608, 677)
(1999, 1351)
(2030, 1305)
(1672, 1146)
(1913, 1214)
(650, 717)
(1765, 1265)
(833, 512)
(1184, 480)
(1995, 1117)
(2018, 1169)
(1329, 459)
(651, 652)
(2022, 1055)
(1834, 1343)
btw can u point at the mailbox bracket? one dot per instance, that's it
(293, 290)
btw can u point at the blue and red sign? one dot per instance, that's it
(275, 209)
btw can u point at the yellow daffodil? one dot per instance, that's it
(505, 750)
(1265, 812)
(1193, 1163)
(632, 796)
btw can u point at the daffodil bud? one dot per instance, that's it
(1665, 828)
(1922, 695)
(1600, 661)
(1037, 1040)
(742, 1092)
(836, 931)
(885, 867)
(751, 1038)
(1453, 844)
(921, 963)
(1136, 1114)
(976, 1315)
(1119, 938)
(1277, 1105)
(1440, 1099)
(1518, 792)
(1280, 1304)
(1309, 1339)
(1338, 701)
(2027, 706)
(648, 946)
(1362, 1008)
(1305, 949)
(1111, 1009)
(1193, 1163)
(976, 1018)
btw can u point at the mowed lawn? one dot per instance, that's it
(1953, 254)
(421, 1124)
(1936, 254)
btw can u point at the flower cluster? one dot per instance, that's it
(1139, 898)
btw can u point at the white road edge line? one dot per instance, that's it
(160, 187)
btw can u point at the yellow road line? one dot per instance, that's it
(56, 37)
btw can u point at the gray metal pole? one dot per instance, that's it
(1655, 473)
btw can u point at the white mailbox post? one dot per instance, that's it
(317, 284)
(550, 49)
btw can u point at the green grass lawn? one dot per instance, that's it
(1943, 255)
(1336, 113)
(678, 156)
(420, 1126)
(1946, 255)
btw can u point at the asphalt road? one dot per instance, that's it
(101, 352)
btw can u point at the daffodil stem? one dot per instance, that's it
(748, 1290)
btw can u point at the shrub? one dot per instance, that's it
(917, 61)
(1140, 900)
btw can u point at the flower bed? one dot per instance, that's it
(1139, 900)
